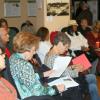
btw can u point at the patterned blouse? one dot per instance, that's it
(49, 61)
(23, 71)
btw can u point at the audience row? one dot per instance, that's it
(29, 62)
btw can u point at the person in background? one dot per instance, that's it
(12, 31)
(77, 39)
(4, 30)
(7, 91)
(93, 38)
(85, 13)
(94, 35)
(78, 9)
(3, 23)
(27, 26)
(44, 44)
(5, 39)
(79, 45)
(84, 28)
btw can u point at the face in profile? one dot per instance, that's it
(63, 48)
(74, 28)
(30, 53)
(4, 24)
(2, 60)
(4, 35)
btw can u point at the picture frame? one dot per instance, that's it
(12, 8)
(93, 9)
(58, 7)
(32, 8)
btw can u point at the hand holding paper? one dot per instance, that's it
(66, 81)
(78, 67)
(61, 87)
(82, 60)
(60, 64)
(47, 73)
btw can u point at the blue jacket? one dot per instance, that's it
(27, 81)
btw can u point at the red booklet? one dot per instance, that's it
(82, 59)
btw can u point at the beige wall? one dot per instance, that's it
(17, 21)
(40, 20)
(55, 22)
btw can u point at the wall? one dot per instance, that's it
(17, 21)
(55, 22)
(40, 20)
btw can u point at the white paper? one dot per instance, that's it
(32, 9)
(60, 64)
(12, 9)
(67, 81)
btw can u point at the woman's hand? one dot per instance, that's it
(35, 62)
(78, 67)
(47, 73)
(61, 87)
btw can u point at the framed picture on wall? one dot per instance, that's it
(12, 8)
(32, 7)
(58, 7)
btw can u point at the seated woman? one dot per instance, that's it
(61, 43)
(12, 31)
(24, 75)
(79, 45)
(94, 35)
(93, 38)
(27, 26)
(7, 91)
(83, 27)
(44, 44)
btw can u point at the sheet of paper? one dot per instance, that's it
(82, 59)
(60, 64)
(67, 81)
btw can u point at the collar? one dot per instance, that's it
(20, 55)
